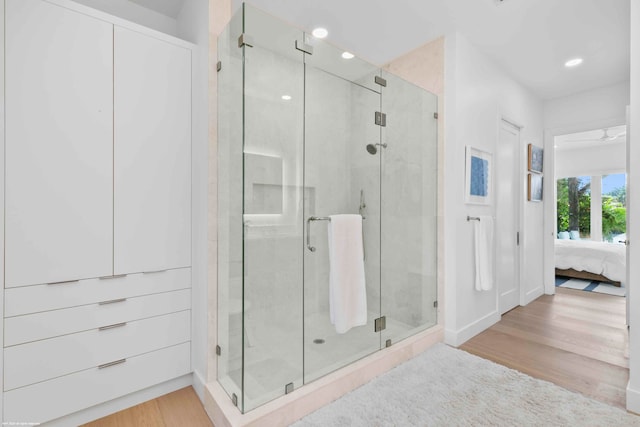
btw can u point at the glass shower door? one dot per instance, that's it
(340, 177)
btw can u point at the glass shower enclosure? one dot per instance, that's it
(304, 132)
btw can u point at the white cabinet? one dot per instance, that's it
(59, 144)
(152, 155)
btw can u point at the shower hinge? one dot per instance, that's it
(303, 47)
(234, 399)
(381, 119)
(380, 81)
(245, 40)
(380, 324)
(435, 304)
(435, 115)
(387, 343)
(218, 350)
(288, 388)
(219, 66)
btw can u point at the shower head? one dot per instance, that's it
(373, 149)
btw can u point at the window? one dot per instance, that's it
(574, 205)
(614, 208)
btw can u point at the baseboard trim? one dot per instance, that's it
(293, 406)
(124, 402)
(633, 399)
(533, 294)
(199, 385)
(459, 337)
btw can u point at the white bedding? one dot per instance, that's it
(603, 258)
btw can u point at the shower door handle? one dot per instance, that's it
(313, 218)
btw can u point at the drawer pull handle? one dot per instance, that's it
(64, 282)
(116, 276)
(113, 301)
(154, 271)
(114, 363)
(117, 325)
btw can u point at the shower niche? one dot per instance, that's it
(304, 132)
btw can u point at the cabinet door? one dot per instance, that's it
(59, 144)
(152, 154)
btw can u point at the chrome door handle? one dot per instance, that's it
(313, 218)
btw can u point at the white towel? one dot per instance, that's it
(483, 236)
(347, 290)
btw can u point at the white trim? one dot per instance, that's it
(121, 403)
(199, 384)
(86, 10)
(2, 164)
(533, 294)
(633, 399)
(549, 189)
(459, 337)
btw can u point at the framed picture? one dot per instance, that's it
(534, 188)
(478, 172)
(535, 159)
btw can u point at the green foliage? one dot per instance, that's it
(614, 212)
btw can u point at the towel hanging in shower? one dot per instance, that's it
(347, 289)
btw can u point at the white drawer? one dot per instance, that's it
(33, 299)
(55, 398)
(42, 360)
(49, 324)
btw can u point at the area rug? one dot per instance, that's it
(590, 286)
(449, 387)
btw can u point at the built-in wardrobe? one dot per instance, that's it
(97, 209)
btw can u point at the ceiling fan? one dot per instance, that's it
(604, 138)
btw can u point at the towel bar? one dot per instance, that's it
(472, 218)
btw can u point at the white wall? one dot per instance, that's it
(135, 13)
(633, 389)
(585, 108)
(193, 26)
(477, 95)
(590, 161)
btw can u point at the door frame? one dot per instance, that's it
(519, 214)
(549, 188)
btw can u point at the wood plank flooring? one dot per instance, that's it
(177, 409)
(575, 339)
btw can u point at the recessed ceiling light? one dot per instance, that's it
(347, 55)
(286, 97)
(573, 62)
(320, 33)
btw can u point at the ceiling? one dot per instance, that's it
(592, 138)
(529, 39)
(170, 8)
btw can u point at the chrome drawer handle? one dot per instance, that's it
(64, 282)
(116, 362)
(113, 301)
(117, 276)
(154, 271)
(117, 325)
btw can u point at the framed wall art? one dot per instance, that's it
(534, 187)
(534, 159)
(478, 171)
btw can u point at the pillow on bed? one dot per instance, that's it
(574, 235)
(563, 235)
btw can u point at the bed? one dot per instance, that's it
(584, 259)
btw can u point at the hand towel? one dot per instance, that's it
(347, 289)
(483, 245)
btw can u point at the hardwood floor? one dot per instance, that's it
(177, 409)
(575, 339)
